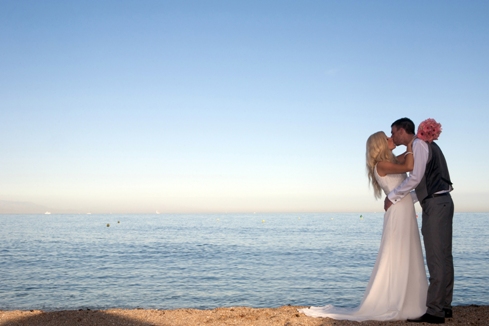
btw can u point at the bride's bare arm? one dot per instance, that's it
(406, 164)
(401, 158)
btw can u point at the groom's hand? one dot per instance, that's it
(387, 203)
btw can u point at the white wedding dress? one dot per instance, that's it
(398, 285)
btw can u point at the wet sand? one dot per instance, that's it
(241, 316)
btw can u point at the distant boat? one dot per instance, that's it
(47, 213)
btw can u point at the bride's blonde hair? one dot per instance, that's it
(377, 151)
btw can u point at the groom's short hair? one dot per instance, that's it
(404, 123)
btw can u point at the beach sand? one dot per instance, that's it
(241, 316)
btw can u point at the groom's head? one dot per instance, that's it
(402, 131)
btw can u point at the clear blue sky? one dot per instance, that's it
(233, 106)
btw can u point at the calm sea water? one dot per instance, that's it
(55, 262)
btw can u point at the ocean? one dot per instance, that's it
(167, 261)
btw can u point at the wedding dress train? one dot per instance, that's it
(398, 285)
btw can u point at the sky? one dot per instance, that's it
(232, 106)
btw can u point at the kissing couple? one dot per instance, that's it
(398, 287)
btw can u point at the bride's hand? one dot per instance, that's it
(409, 146)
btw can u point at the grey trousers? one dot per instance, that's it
(437, 237)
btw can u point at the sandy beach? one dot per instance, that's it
(240, 316)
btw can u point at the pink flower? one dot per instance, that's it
(429, 130)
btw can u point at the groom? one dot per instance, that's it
(431, 181)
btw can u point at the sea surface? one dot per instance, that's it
(167, 261)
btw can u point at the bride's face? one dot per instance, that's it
(390, 143)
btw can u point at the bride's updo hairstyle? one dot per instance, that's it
(377, 151)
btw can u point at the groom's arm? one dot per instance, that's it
(421, 154)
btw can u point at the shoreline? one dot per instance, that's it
(240, 316)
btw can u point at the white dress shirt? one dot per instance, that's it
(421, 155)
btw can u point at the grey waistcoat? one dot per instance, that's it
(436, 176)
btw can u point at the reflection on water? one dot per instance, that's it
(55, 262)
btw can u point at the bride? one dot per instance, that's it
(398, 285)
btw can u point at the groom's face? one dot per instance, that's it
(397, 135)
